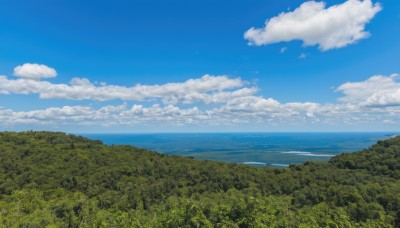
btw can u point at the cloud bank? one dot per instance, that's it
(207, 89)
(205, 101)
(314, 24)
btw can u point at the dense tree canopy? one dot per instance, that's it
(49, 178)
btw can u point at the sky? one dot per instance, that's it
(200, 66)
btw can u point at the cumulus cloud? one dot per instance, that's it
(314, 24)
(377, 90)
(105, 116)
(205, 101)
(34, 71)
(250, 109)
(208, 89)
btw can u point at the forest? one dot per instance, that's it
(53, 179)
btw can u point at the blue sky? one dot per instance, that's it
(171, 66)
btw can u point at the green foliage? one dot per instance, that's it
(52, 179)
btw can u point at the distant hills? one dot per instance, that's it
(60, 180)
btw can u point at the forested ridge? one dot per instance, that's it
(60, 180)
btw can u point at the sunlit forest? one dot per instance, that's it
(50, 179)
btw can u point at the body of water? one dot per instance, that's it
(265, 149)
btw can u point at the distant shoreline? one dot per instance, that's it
(249, 148)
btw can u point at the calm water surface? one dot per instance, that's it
(272, 149)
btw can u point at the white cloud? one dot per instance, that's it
(249, 109)
(205, 101)
(105, 116)
(34, 71)
(377, 90)
(388, 122)
(334, 27)
(208, 89)
(240, 110)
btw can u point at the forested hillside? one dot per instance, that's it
(64, 180)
